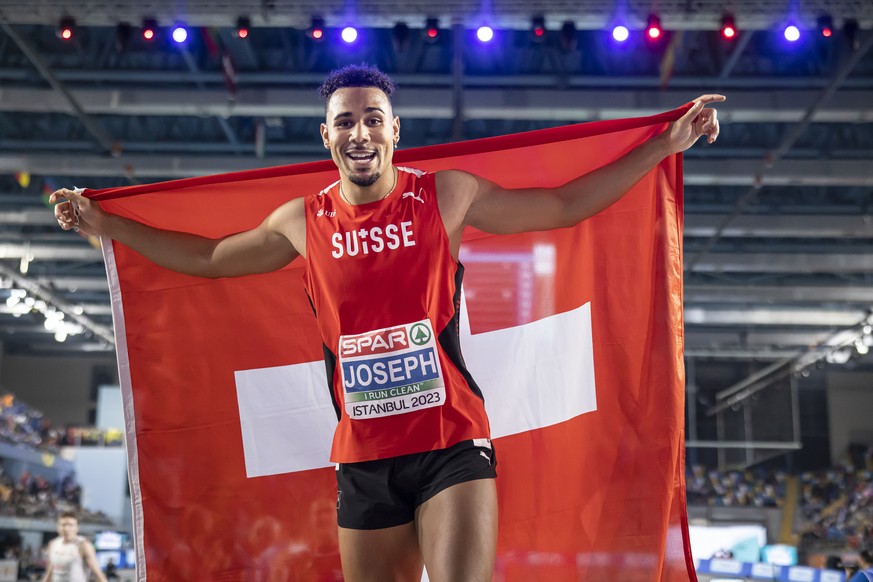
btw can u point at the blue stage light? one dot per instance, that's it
(620, 33)
(485, 33)
(180, 33)
(350, 34)
(792, 33)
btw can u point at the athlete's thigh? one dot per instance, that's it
(380, 555)
(457, 532)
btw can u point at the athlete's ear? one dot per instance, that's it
(324, 137)
(396, 125)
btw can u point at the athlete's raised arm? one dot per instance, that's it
(489, 207)
(268, 247)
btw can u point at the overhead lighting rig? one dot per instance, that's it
(243, 27)
(316, 29)
(432, 29)
(728, 27)
(66, 28)
(149, 29)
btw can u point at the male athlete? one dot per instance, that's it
(415, 465)
(70, 555)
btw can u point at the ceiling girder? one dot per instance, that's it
(716, 262)
(782, 225)
(698, 172)
(696, 225)
(773, 316)
(691, 84)
(436, 103)
(750, 294)
(675, 14)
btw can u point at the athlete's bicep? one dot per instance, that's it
(289, 221)
(268, 247)
(495, 209)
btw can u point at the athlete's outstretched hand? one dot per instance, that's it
(75, 212)
(697, 121)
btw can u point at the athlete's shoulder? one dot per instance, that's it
(319, 199)
(414, 171)
(456, 185)
(288, 211)
(324, 192)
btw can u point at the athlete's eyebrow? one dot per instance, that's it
(349, 113)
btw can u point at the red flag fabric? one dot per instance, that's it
(575, 336)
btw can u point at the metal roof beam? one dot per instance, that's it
(781, 225)
(698, 172)
(703, 172)
(690, 84)
(775, 157)
(786, 263)
(762, 316)
(436, 103)
(754, 338)
(88, 309)
(59, 89)
(758, 15)
(33, 288)
(739, 354)
(837, 292)
(48, 252)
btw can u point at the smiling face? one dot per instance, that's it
(361, 131)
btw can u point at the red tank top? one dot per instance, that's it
(386, 293)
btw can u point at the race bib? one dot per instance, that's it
(391, 371)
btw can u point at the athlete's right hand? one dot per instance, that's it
(75, 212)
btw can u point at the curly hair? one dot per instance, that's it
(362, 75)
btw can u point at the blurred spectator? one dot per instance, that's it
(851, 570)
(865, 568)
(36, 497)
(111, 570)
(21, 424)
(837, 504)
(756, 488)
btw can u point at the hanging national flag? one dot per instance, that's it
(574, 335)
(23, 179)
(48, 186)
(668, 61)
(228, 70)
(211, 41)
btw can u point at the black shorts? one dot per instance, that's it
(386, 492)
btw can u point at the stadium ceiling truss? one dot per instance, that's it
(779, 233)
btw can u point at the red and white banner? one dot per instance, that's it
(575, 336)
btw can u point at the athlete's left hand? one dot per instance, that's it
(697, 121)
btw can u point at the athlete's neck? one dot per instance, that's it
(354, 194)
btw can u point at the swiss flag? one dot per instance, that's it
(575, 336)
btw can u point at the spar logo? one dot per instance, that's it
(382, 341)
(419, 334)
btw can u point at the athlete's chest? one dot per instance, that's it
(403, 226)
(64, 555)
